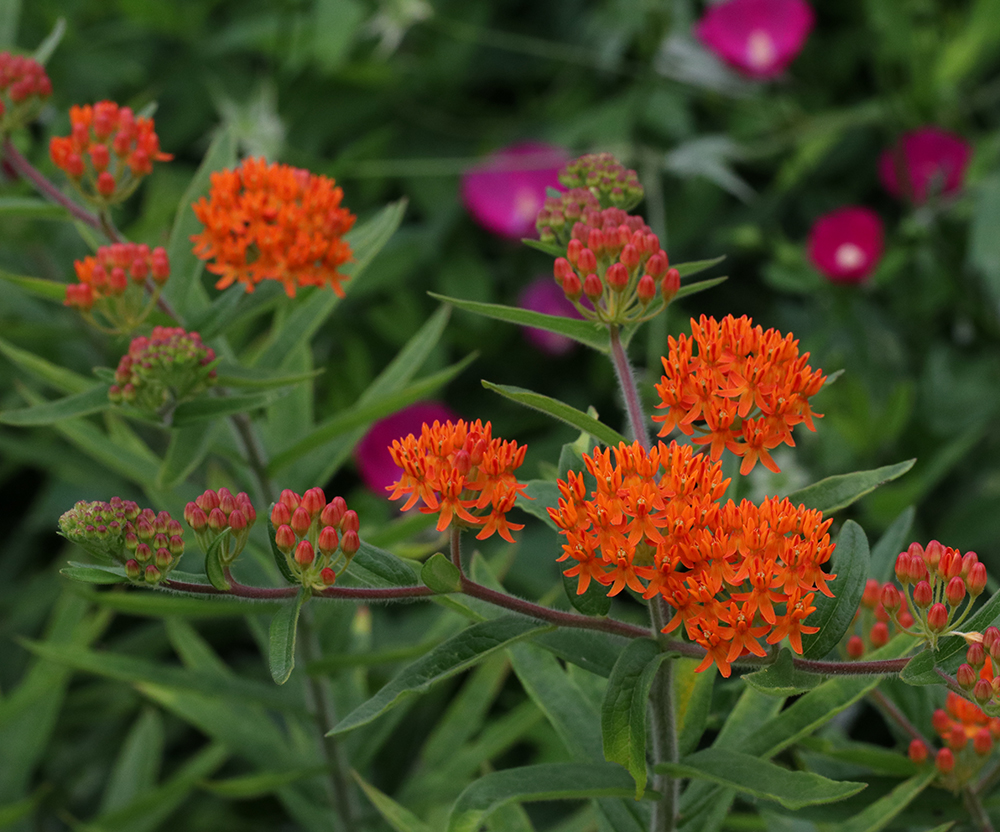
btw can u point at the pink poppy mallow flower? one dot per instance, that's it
(544, 295)
(506, 191)
(846, 245)
(371, 454)
(758, 38)
(923, 162)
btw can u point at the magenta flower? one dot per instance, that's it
(924, 161)
(544, 295)
(371, 455)
(760, 38)
(506, 191)
(846, 244)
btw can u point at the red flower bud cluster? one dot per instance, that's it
(873, 627)
(749, 386)
(168, 367)
(212, 513)
(559, 214)
(604, 176)
(23, 87)
(968, 735)
(147, 544)
(615, 261)
(456, 469)
(108, 152)
(318, 538)
(936, 582)
(273, 222)
(114, 281)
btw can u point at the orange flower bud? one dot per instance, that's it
(646, 290)
(879, 635)
(923, 595)
(284, 539)
(572, 286)
(617, 277)
(333, 514)
(954, 593)
(573, 250)
(592, 287)
(870, 596)
(966, 676)
(327, 576)
(350, 522)
(671, 284)
(933, 553)
(313, 501)
(350, 543)
(304, 554)
(328, 541)
(300, 521)
(630, 257)
(976, 580)
(586, 262)
(903, 568)
(945, 761)
(855, 647)
(937, 618)
(562, 269)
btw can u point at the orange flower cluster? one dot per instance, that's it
(273, 222)
(968, 735)
(458, 468)
(23, 85)
(733, 573)
(873, 620)
(108, 152)
(749, 386)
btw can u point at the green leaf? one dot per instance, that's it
(458, 653)
(833, 616)
(542, 494)
(693, 701)
(38, 287)
(882, 812)
(921, 670)
(760, 778)
(781, 678)
(90, 573)
(233, 375)
(949, 649)
(159, 604)
(548, 781)
(63, 380)
(45, 49)
(279, 559)
(213, 564)
(841, 490)
(695, 266)
(137, 767)
(93, 400)
(212, 407)
(623, 712)
(440, 574)
(398, 817)
(184, 290)
(594, 601)
(376, 567)
(258, 784)
(587, 333)
(892, 542)
(281, 649)
(188, 446)
(700, 286)
(558, 410)
(11, 813)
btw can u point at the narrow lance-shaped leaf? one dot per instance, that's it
(623, 712)
(760, 778)
(882, 812)
(458, 653)
(93, 400)
(39, 287)
(90, 573)
(212, 407)
(398, 817)
(834, 615)
(213, 562)
(259, 784)
(841, 490)
(281, 650)
(693, 699)
(63, 380)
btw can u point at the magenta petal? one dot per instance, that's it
(930, 159)
(760, 38)
(544, 295)
(372, 456)
(846, 244)
(505, 192)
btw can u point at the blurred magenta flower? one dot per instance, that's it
(371, 455)
(544, 295)
(930, 160)
(846, 244)
(760, 38)
(506, 191)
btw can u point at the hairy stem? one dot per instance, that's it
(664, 730)
(630, 393)
(456, 548)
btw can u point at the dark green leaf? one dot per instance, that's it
(93, 400)
(281, 649)
(233, 375)
(892, 542)
(376, 567)
(548, 781)
(623, 712)
(781, 678)
(558, 410)
(542, 494)
(212, 407)
(458, 653)
(760, 778)
(839, 491)
(700, 286)
(188, 446)
(693, 701)
(695, 266)
(137, 767)
(63, 380)
(398, 817)
(440, 574)
(213, 562)
(594, 601)
(553, 249)
(259, 784)
(90, 573)
(159, 604)
(833, 616)
(38, 287)
(920, 670)
(881, 813)
(279, 559)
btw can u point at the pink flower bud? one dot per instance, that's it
(195, 517)
(314, 501)
(350, 543)
(940, 720)
(163, 558)
(300, 521)
(595, 241)
(334, 512)
(217, 520)
(562, 269)
(207, 501)
(133, 569)
(290, 499)
(176, 545)
(671, 284)
(284, 539)
(143, 553)
(969, 559)
(281, 515)
(328, 541)
(304, 554)
(237, 520)
(151, 574)
(327, 576)
(226, 503)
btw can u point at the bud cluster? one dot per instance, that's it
(23, 87)
(212, 513)
(115, 281)
(146, 543)
(975, 674)
(615, 261)
(936, 581)
(108, 152)
(559, 214)
(168, 367)
(317, 538)
(872, 627)
(968, 736)
(605, 177)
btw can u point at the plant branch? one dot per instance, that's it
(283, 593)
(664, 730)
(456, 547)
(630, 393)
(889, 709)
(254, 455)
(975, 807)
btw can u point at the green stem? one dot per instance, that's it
(664, 731)
(977, 810)
(630, 393)
(254, 456)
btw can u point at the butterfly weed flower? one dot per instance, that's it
(108, 152)
(461, 472)
(159, 372)
(24, 87)
(114, 284)
(968, 736)
(318, 539)
(146, 543)
(273, 222)
(736, 387)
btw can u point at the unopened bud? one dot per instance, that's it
(956, 738)
(671, 284)
(966, 676)
(143, 553)
(945, 761)
(573, 287)
(237, 520)
(304, 554)
(328, 541)
(217, 520)
(327, 576)
(630, 257)
(891, 599)
(976, 655)
(152, 575)
(870, 596)
(207, 501)
(923, 595)
(197, 519)
(903, 568)
(879, 635)
(133, 569)
(290, 499)
(940, 720)
(954, 593)
(982, 690)
(284, 539)
(969, 559)
(933, 553)
(976, 580)
(562, 269)
(281, 514)
(163, 559)
(300, 521)
(313, 501)
(176, 545)
(855, 647)
(617, 277)
(350, 522)
(592, 287)
(918, 752)
(982, 742)
(334, 512)
(646, 290)
(586, 262)
(937, 618)
(350, 543)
